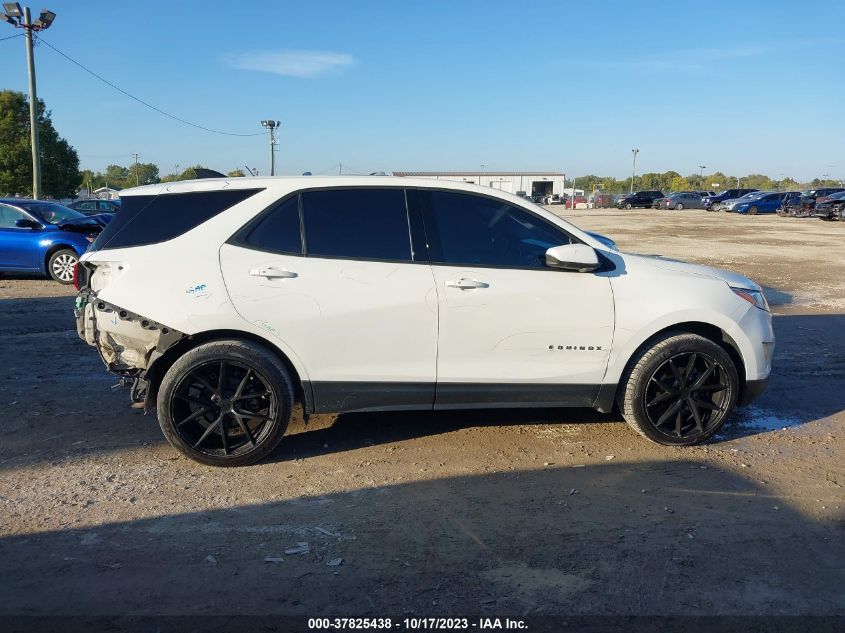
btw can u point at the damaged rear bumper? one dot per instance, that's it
(128, 343)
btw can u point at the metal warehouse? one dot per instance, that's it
(532, 183)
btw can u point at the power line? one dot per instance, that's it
(3, 39)
(141, 101)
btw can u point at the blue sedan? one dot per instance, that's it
(764, 203)
(38, 236)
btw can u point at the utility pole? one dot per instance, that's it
(22, 19)
(271, 126)
(634, 168)
(137, 175)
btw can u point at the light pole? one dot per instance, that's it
(21, 19)
(634, 168)
(701, 169)
(272, 125)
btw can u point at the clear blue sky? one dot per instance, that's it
(741, 87)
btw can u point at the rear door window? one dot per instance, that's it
(359, 223)
(277, 230)
(151, 219)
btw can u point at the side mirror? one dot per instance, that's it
(26, 223)
(573, 257)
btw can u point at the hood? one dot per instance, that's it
(685, 268)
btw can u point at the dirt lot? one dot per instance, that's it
(545, 512)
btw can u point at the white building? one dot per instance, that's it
(532, 183)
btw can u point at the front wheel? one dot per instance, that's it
(680, 391)
(60, 265)
(225, 403)
(752, 210)
(628, 206)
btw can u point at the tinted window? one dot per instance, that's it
(357, 224)
(151, 219)
(87, 206)
(10, 215)
(475, 230)
(52, 213)
(278, 230)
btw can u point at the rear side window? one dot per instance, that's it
(357, 224)
(151, 219)
(278, 231)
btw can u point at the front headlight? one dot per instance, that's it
(754, 297)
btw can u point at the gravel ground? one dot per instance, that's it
(502, 512)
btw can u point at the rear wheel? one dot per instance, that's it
(679, 207)
(60, 265)
(225, 403)
(680, 391)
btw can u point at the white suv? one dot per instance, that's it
(227, 301)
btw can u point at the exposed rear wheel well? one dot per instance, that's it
(708, 331)
(156, 372)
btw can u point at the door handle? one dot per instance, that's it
(466, 284)
(272, 273)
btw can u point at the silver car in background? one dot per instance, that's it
(728, 205)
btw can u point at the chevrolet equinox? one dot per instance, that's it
(224, 302)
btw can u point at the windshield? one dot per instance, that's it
(51, 213)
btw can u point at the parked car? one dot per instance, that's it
(831, 207)
(705, 194)
(791, 203)
(808, 199)
(681, 200)
(639, 199)
(95, 206)
(38, 236)
(714, 203)
(768, 202)
(728, 205)
(225, 303)
(542, 198)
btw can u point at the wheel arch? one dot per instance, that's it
(53, 248)
(158, 368)
(609, 394)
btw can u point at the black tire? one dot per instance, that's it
(716, 206)
(628, 206)
(205, 422)
(679, 207)
(752, 210)
(673, 416)
(60, 265)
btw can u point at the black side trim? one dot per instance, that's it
(606, 398)
(752, 391)
(458, 395)
(340, 397)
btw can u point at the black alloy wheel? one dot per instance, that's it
(223, 408)
(225, 403)
(687, 396)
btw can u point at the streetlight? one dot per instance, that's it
(634, 168)
(21, 19)
(701, 169)
(272, 125)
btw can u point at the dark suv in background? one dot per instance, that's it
(712, 203)
(641, 199)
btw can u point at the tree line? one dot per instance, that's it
(62, 178)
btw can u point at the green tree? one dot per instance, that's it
(59, 161)
(236, 173)
(679, 183)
